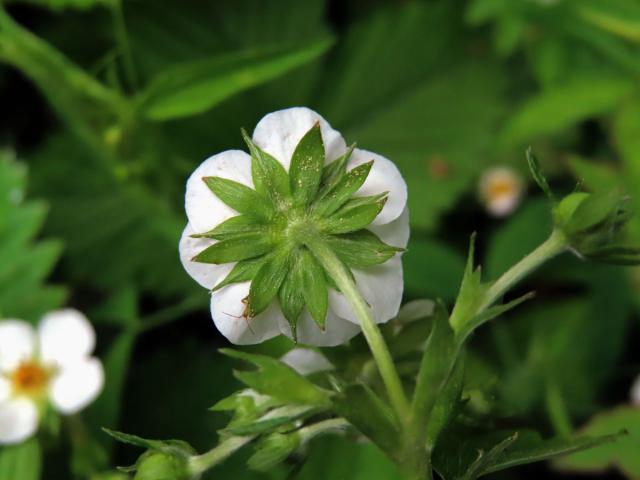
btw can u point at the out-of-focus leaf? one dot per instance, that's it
(22, 461)
(59, 5)
(432, 269)
(557, 109)
(24, 263)
(197, 86)
(623, 454)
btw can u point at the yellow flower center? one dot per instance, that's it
(30, 379)
(501, 187)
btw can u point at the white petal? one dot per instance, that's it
(206, 274)
(18, 420)
(278, 134)
(227, 308)
(17, 343)
(306, 361)
(337, 330)
(381, 286)
(5, 389)
(204, 209)
(384, 177)
(395, 233)
(416, 310)
(77, 385)
(66, 336)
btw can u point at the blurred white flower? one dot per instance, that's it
(500, 190)
(50, 366)
(635, 393)
(278, 134)
(306, 361)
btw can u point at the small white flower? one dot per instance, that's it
(306, 361)
(51, 366)
(501, 190)
(635, 393)
(278, 134)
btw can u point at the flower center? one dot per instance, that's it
(501, 188)
(30, 378)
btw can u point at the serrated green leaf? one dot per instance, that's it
(307, 162)
(240, 197)
(235, 227)
(236, 249)
(278, 380)
(197, 86)
(270, 179)
(344, 189)
(267, 281)
(355, 214)
(314, 287)
(371, 416)
(242, 271)
(361, 249)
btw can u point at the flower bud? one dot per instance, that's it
(273, 449)
(157, 465)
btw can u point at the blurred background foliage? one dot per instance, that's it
(108, 105)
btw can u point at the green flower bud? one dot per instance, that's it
(273, 449)
(156, 465)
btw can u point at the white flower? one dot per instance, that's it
(501, 190)
(278, 134)
(51, 366)
(306, 361)
(635, 393)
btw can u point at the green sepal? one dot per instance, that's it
(236, 249)
(314, 287)
(356, 214)
(272, 420)
(272, 450)
(305, 171)
(234, 227)
(270, 179)
(291, 296)
(267, 281)
(362, 248)
(471, 291)
(333, 173)
(343, 191)
(240, 197)
(241, 272)
(274, 378)
(538, 176)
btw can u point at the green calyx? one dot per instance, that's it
(282, 215)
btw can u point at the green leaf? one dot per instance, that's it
(278, 380)
(343, 191)
(438, 361)
(243, 271)
(471, 291)
(361, 249)
(486, 459)
(267, 281)
(622, 454)
(314, 287)
(197, 86)
(270, 179)
(273, 449)
(235, 227)
(239, 197)
(236, 249)
(272, 420)
(306, 167)
(447, 405)
(22, 461)
(370, 415)
(354, 215)
(558, 109)
(333, 173)
(177, 447)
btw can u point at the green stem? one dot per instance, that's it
(201, 463)
(554, 245)
(334, 266)
(122, 39)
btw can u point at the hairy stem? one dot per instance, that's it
(376, 342)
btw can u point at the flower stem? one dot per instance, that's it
(555, 244)
(201, 463)
(334, 266)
